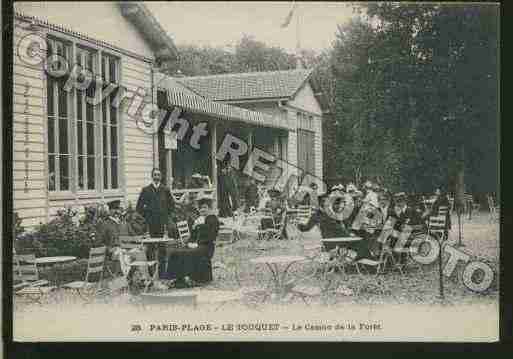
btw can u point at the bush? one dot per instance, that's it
(17, 227)
(70, 235)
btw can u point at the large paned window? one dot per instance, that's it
(59, 154)
(110, 128)
(83, 135)
(305, 150)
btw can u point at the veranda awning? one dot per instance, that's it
(197, 104)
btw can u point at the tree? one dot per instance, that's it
(419, 83)
(252, 55)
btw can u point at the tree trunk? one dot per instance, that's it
(460, 182)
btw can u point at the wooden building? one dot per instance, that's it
(68, 151)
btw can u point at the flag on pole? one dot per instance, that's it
(288, 19)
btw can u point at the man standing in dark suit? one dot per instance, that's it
(156, 205)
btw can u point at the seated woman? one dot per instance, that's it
(193, 264)
(331, 227)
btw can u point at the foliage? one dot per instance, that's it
(247, 55)
(415, 84)
(412, 91)
(17, 227)
(69, 233)
(132, 223)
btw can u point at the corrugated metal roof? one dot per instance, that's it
(248, 86)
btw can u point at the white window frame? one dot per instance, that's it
(99, 191)
(55, 117)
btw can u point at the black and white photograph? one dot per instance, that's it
(254, 171)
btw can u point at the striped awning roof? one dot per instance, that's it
(197, 104)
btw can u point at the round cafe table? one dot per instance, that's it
(278, 278)
(330, 243)
(54, 261)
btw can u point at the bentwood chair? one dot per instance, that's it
(26, 279)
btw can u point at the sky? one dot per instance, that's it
(224, 23)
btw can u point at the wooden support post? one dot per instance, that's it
(213, 150)
(250, 146)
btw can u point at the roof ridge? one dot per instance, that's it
(238, 74)
(70, 31)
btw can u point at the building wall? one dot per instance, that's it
(140, 146)
(99, 20)
(29, 139)
(306, 100)
(31, 198)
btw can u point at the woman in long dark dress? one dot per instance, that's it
(194, 263)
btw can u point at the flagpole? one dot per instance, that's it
(298, 38)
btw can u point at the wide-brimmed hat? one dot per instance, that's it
(338, 187)
(351, 188)
(400, 196)
(274, 193)
(357, 193)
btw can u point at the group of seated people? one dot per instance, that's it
(345, 211)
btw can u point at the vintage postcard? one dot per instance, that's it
(254, 171)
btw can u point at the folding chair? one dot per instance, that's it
(225, 235)
(303, 215)
(469, 203)
(322, 272)
(227, 264)
(493, 208)
(443, 210)
(436, 227)
(26, 279)
(367, 279)
(88, 288)
(451, 204)
(139, 265)
(276, 230)
(267, 221)
(406, 251)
